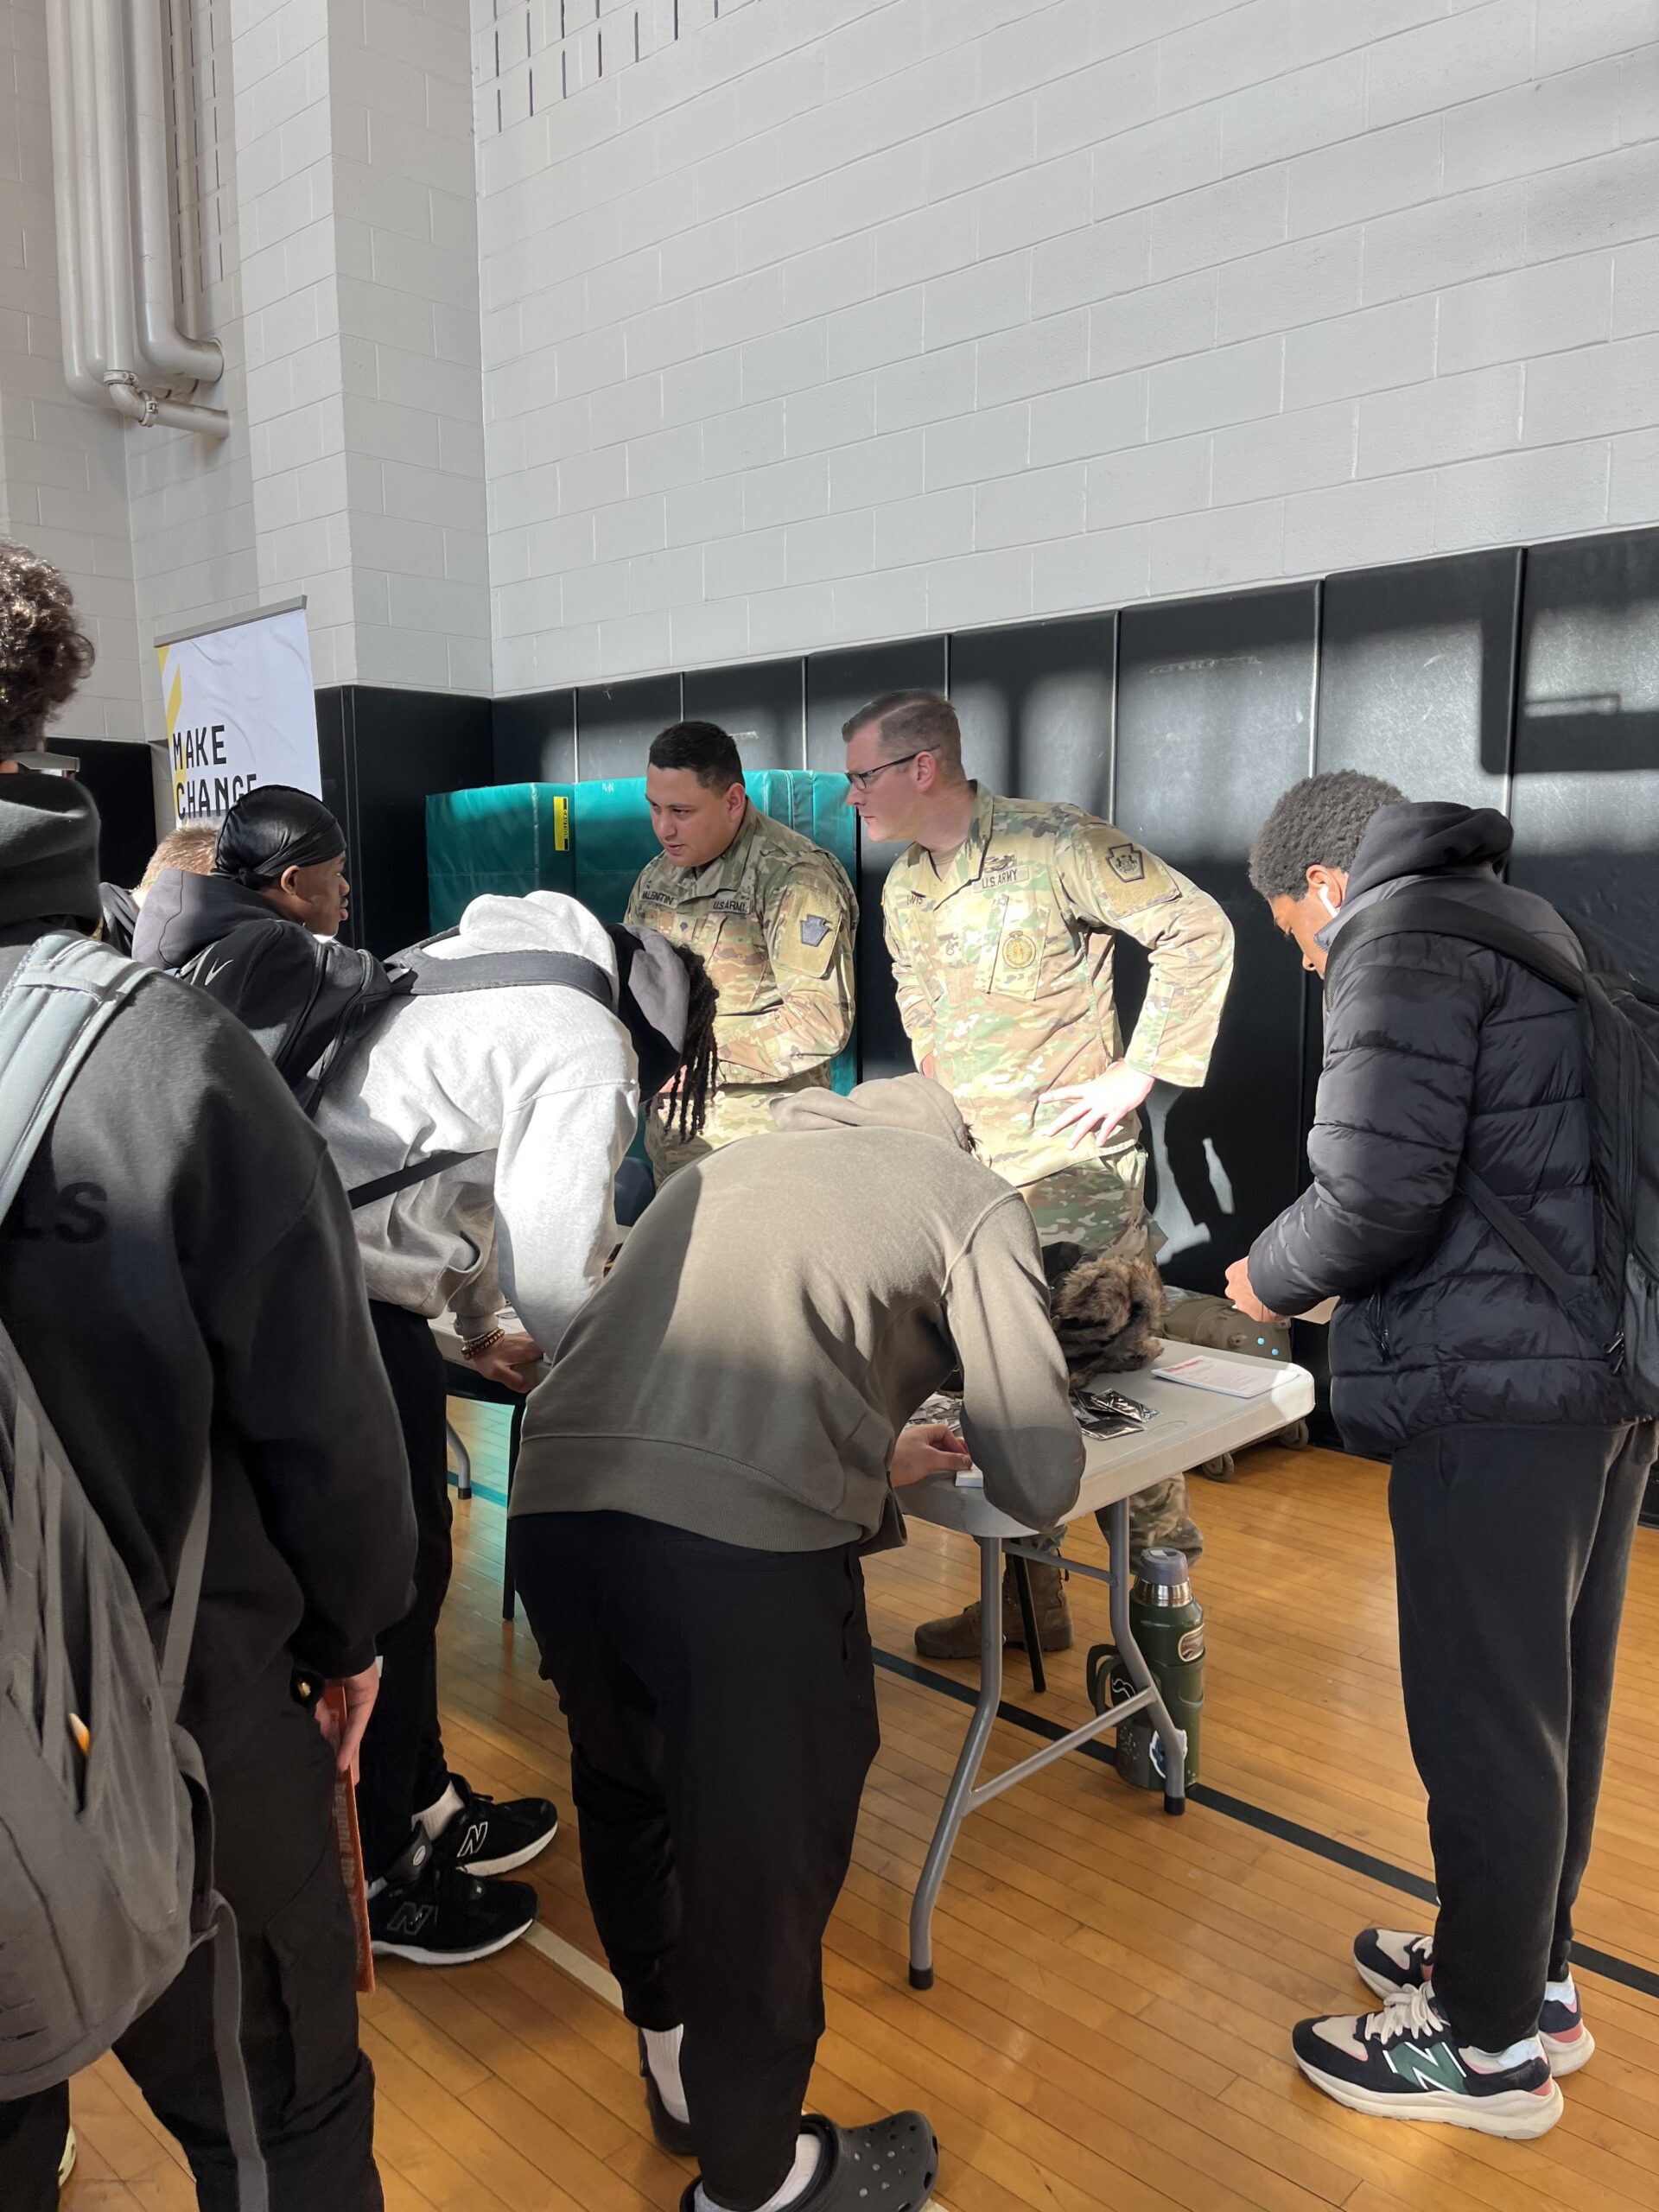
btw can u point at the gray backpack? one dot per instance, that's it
(105, 1831)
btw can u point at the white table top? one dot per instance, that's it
(1191, 1427)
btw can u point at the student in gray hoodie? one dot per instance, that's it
(716, 1444)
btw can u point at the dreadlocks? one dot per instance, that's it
(699, 1055)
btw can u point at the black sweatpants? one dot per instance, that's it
(402, 1769)
(722, 1705)
(1511, 1549)
(312, 2089)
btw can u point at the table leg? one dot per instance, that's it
(954, 1809)
(462, 1458)
(1114, 1525)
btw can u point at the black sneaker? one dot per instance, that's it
(889, 2166)
(433, 1915)
(1404, 2064)
(1391, 1963)
(484, 1837)
(674, 2135)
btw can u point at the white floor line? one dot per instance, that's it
(581, 1968)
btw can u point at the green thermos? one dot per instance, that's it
(1168, 1625)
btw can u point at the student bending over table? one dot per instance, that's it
(714, 1447)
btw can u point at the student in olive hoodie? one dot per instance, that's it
(715, 1446)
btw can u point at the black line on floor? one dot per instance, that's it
(1327, 1848)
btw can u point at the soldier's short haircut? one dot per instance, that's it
(913, 722)
(1318, 824)
(703, 747)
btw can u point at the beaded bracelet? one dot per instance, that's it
(490, 1336)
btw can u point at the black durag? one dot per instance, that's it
(653, 1000)
(272, 829)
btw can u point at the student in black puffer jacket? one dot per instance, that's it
(1517, 1471)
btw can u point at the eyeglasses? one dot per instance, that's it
(861, 778)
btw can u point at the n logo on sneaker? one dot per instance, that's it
(409, 1919)
(473, 1841)
(1430, 2066)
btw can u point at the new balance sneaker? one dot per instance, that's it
(434, 1915)
(1404, 2064)
(1391, 1963)
(484, 1837)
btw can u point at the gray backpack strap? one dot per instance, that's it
(495, 971)
(66, 992)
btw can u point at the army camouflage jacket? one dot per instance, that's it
(774, 918)
(1002, 956)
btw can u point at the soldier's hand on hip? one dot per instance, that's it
(1099, 1107)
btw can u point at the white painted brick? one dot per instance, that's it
(1158, 323)
(629, 409)
(593, 480)
(694, 390)
(638, 645)
(788, 491)
(696, 260)
(927, 243)
(981, 587)
(1287, 453)
(667, 460)
(1474, 235)
(1090, 264)
(661, 581)
(972, 447)
(877, 469)
(891, 604)
(1087, 106)
(1548, 494)
(1106, 567)
(785, 360)
(1540, 310)
(1225, 546)
(1355, 353)
(1142, 483)
(925, 390)
(979, 147)
(1309, 281)
(1034, 204)
(1595, 203)
(553, 547)
(793, 620)
(1238, 216)
(750, 438)
(1478, 50)
(1041, 357)
(1375, 175)
(1098, 416)
(834, 275)
(1221, 51)
(992, 295)
(930, 528)
(1536, 127)
(874, 333)
(1292, 114)
(1232, 385)
(1024, 510)
(1572, 32)
(830, 415)
(1634, 494)
(1636, 290)
(752, 562)
(1360, 525)
(1592, 392)
(829, 546)
(596, 594)
(746, 308)
(706, 634)
(1141, 168)
(668, 334)
(697, 513)
(1446, 421)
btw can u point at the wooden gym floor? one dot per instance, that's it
(1114, 1989)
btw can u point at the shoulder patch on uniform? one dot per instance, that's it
(815, 928)
(1128, 863)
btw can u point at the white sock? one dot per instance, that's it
(437, 1817)
(796, 2180)
(1499, 2061)
(662, 2056)
(1562, 1992)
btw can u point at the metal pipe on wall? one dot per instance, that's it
(164, 344)
(71, 270)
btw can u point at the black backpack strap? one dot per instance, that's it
(1582, 1310)
(404, 1179)
(494, 971)
(1414, 914)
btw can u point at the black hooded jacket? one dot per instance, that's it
(1435, 1051)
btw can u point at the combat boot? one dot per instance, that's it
(957, 1637)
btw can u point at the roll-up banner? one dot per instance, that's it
(241, 710)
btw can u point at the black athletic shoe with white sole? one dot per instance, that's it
(1391, 1963)
(434, 1915)
(1404, 2064)
(889, 2166)
(484, 1837)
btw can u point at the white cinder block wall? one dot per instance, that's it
(834, 320)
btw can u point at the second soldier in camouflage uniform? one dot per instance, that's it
(1002, 941)
(774, 919)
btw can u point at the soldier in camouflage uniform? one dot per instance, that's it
(1001, 919)
(774, 917)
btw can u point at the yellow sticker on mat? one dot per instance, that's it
(561, 824)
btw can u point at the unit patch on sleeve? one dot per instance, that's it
(814, 930)
(1128, 863)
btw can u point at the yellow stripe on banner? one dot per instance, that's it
(174, 696)
(561, 824)
(592, 1975)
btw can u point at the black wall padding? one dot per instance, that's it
(837, 685)
(536, 738)
(762, 706)
(615, 723)
(1214, 704)
(1586, 800)
(1417, 675)
(1035, 705)
(120, 779)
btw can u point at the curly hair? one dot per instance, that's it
(44, 653)
(699, 1055)
(1317, 824)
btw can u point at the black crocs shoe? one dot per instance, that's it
(433, 1915)
(889, 2166)
(488, 1838)
(674, 2135)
